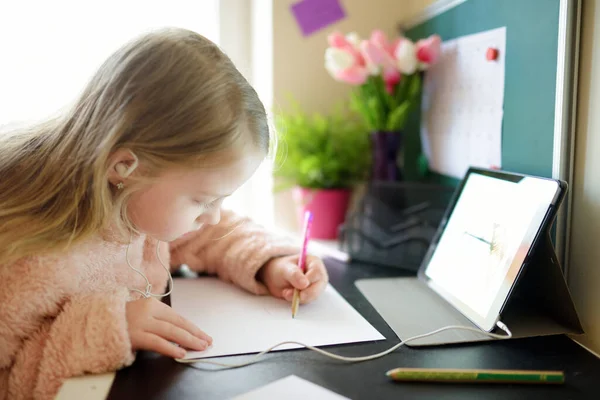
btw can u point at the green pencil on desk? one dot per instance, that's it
(475, 376)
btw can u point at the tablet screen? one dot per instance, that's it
(486, 238)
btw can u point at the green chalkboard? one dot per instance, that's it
(530, 75)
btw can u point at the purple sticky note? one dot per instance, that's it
(313, 15)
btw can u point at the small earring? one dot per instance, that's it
(120, 185)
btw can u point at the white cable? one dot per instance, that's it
(253, 360)
(148, 293)
(168, 273)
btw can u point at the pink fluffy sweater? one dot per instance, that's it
(62, 316)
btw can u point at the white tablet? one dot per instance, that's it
(485, 240)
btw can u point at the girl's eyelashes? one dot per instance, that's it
(205, 205)
(208, 206)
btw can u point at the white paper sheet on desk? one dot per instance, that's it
(463, 105)
(241, 323)
(291, 388)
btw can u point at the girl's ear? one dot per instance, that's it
(122, 163)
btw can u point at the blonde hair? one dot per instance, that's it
(170, 96)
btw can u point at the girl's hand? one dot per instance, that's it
(281, 275)
(154, 325)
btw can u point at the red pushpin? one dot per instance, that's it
(491, 54)
(495, 167)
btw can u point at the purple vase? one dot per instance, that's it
(385, 147)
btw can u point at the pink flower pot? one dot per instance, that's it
(328, 207)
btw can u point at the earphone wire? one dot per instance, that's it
(256, 358)
(236, 226)
(148, 293)
(124, 171)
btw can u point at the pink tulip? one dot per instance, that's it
(406, 59)
(379, 38)
(389, 87)
(395, 45)
(354, 75)
(428, 50)
(343, 67)
(339, 41)
(377, 56)
(338, 59)
(353, 39)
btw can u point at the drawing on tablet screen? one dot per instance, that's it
(498, 244)
(495, 240)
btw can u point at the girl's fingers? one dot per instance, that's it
(177, 335)
(295, 277)
(310, 294)
(156, 343)
(287, 294)
(169, 315)
(316, 273)
(317, 279)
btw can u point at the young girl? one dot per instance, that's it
(165, 130)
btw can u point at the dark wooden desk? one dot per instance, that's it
(156, 377)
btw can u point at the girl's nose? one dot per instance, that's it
(211, 217)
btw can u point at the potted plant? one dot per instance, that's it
(322, 157)
(387, 78)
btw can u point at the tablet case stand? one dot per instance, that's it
(539, 305)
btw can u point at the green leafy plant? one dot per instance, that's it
(321, 151)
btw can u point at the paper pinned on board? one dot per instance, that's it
(291, 388)
(463, 103)
(241, 323)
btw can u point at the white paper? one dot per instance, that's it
(291, 388)
(240, 322)
(463, 98)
